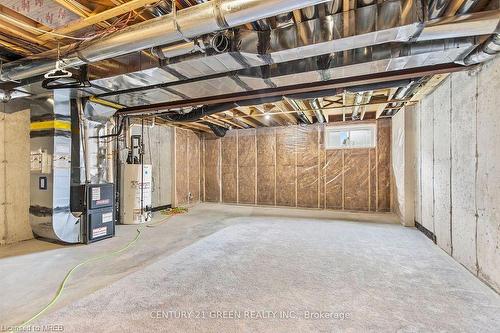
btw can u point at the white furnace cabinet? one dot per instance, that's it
(134, 177)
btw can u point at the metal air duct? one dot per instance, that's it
(218, 42)
(317, 110)
(207, 110)
(50, 213)
(323, 37)
(486, 51)
(188, 23)
(360, 99)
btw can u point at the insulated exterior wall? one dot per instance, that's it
(14, 175)
(373, 179)
(286, 171)
(181, 167)
(398, 162)
(247, 166)
(463, 177)
(404, 166)
(187, 167)
(308, 176)
(229, 163)
(289, 166)
(266, 166)
(356, 179)
(194, 157)
(212, 169)
(383, 165)
(334, 175)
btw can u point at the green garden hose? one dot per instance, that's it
(170, 213)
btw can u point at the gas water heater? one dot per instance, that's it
(135, 199)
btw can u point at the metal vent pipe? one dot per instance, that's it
(185, 24)
(486, 51)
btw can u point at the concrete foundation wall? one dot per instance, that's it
(14, 175)
(458, 187)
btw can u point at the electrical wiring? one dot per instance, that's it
(32, 28)
(120, 23)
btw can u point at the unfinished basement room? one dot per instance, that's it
(250, 166)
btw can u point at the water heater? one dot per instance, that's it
(135, 202)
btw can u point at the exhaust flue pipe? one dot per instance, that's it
(185, 25)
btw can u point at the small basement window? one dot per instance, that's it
(352, 136)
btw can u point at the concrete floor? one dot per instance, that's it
(220, 261)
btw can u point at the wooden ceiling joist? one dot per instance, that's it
(429, 86)
(18, 29)
(213, 120)
(232, 123)
(75, 7)
(277, 119)
(100, 17)
(453, 7)
(282, 108)
(15, 48)
(193, 126)
(79, 10)
(382, 107)
(249, 119)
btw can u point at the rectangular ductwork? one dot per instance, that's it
(64, 155)
(188, 23)
(337, 48)
(50, 213)
(315, 37)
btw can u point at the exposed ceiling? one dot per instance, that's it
(322, 43)
(29, 27)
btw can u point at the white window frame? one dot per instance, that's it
(348, 128)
